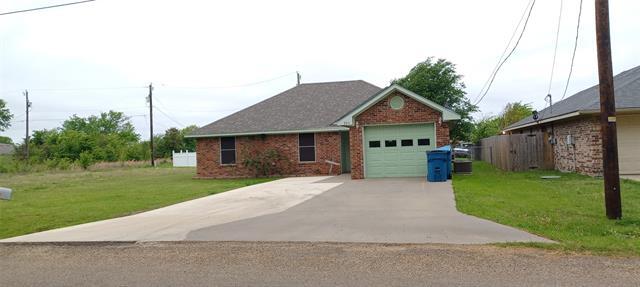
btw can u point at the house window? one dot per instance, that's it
(373, 144)
(228, 150)
(424, 142)
(307, 147)
(406, 142)
(390, 143)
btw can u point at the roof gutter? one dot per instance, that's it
(318, 130)
(547, 120)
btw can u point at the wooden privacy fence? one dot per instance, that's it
(518, 152)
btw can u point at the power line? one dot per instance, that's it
(45, 7)
(555, 49)
(573, 57)
(524, 28)
(506, 48)
(76, 89)
(169, 117)
(234, 86)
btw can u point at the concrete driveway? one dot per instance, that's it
(174, 222)
(398, 210)
(327, 209)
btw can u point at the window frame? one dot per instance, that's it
(315, 148)
(235, 152)
(395, 143)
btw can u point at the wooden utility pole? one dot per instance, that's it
(26, 138)
(298, 76)
(153, 149)
(607, 113)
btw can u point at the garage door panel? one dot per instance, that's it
(398, 161)
(628, 129)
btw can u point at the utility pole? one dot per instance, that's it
(153, 163)
(607, 113)
(298, 76)
(26, 138)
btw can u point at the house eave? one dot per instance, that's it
(547, 120)
(317, 130)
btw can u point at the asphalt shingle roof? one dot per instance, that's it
(304, 107)
(626, 91)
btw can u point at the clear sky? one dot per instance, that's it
(200, 54)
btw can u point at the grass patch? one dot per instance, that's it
(43, 201)
(569, 210)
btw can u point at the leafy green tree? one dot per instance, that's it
(491, 126)
(5, 116)
(188, 143)
(513, 112)
(484, 128)
(438, 81)
(6, 140)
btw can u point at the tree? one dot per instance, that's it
(439, 82)
(170, 141)
(484, 128)
(5, 116)
(491, 126)
(6, 140)
(513, 112)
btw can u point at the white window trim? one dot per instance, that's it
(315, 148)
(235, 152)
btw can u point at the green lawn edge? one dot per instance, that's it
(568, 210)
(49, 200)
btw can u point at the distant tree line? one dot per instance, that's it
(491, 126)
(108, 137)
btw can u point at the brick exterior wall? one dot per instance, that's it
(381, 113)
(327, 148)
(585, 155)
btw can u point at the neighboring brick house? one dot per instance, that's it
(328, 128)
(574, 125)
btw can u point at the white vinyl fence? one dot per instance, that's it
(184, 158)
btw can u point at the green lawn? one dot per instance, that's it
(569, 210)
(43, 201)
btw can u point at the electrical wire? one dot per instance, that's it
(45, 7)
(573, 57)
(506, 48)
(168, 116)
(555, 50)
(524, 28)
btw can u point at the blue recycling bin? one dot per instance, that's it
(447, 149)
(437, 165)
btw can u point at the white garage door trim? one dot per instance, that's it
(628, 127)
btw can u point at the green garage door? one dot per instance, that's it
(397, 150)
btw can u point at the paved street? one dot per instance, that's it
(304, 264)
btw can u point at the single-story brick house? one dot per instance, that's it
(328, 128)
(574, 127)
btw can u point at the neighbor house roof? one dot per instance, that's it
(626, 91)
(307, 107)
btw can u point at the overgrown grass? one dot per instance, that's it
(43, 201)
(569, 210)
